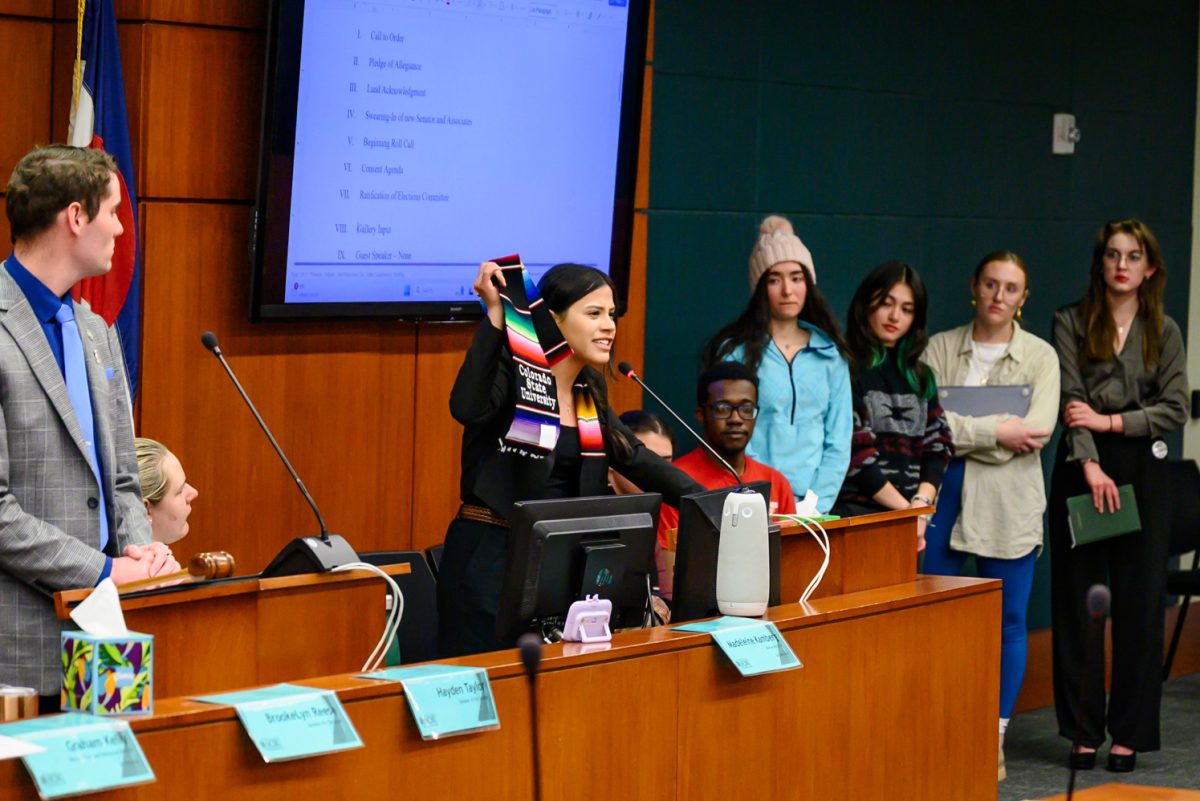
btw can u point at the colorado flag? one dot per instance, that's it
(98, 120)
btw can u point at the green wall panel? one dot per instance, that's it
(711, 125)
(874, 165)
(861, 44)
(1132, 165)
(708, 37)
(992, 160)
(709, 259)
(1134, 58)
(1017, 50)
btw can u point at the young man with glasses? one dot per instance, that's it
(727, 408)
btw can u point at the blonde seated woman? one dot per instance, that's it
(165, 491)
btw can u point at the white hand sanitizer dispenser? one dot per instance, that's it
(743, 558)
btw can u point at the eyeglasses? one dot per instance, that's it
(1132, 257)
(722, 410)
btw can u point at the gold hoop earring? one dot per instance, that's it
(973, 301)
(1017, 316)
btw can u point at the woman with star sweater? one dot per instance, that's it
(901, 442)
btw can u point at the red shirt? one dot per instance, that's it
(712, 475)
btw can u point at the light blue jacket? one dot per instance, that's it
(805, 418)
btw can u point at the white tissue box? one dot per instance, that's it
(108, 675)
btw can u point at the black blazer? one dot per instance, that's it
(483, 400)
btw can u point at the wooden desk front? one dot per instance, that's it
(257, 631)
(865, 552)
(898, 698)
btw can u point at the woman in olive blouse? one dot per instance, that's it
(1123, 386)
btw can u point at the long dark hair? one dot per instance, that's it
(1098, 325)
(752, 328)
(866, 351)
(561, 287)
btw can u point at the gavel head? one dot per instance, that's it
(211, 565)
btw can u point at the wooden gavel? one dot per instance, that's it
(201, 567)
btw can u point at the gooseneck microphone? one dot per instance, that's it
(209, 340)
(625, 369)
(303, 554)
(530, 646)
(1097, 601)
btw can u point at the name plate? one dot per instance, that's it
(80, 753)
(287, 721)
(753, 646)
(445, 699)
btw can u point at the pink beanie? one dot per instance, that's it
(777, 243)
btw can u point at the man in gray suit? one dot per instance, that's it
(71, 511)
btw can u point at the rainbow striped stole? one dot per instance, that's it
(591, 439)
(537, 345)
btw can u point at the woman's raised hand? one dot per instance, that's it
(488, 291)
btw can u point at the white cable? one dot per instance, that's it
(822, 540)
(390, 624)
(375, 660)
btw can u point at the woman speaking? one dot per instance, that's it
(531, 397)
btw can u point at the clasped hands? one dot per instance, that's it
(142, 562)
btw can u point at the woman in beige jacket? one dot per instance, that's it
(993, 496)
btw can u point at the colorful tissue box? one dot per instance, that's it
(108, 675)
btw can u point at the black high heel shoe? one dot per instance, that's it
(1081, 760)
(1122, 763)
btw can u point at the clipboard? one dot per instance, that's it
(1088, 526)
(982, 401)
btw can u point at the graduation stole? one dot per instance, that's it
(537, 344)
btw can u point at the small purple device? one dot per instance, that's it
(587, 620)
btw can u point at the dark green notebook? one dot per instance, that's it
(1088, 525)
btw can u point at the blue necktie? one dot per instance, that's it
(75, 370)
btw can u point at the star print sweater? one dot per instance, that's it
(898, 436)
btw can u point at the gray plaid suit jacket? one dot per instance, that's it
(49, 530)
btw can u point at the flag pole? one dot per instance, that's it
(77, 77)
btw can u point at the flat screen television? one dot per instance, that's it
(695, 583)
(405, 141)
(561, 550)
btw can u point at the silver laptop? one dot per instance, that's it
(986, 400)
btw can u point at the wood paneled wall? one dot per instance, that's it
(360, 407)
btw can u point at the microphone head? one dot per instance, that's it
(626, 369)
(209, 340)
(1098, 599)
(530, 646)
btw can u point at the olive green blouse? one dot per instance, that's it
(1151, 402)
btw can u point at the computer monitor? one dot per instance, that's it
(695, 583)
(561, 550)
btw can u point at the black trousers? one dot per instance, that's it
(469, 583)
(1135, 568)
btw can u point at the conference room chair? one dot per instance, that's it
(434, 555)
(1184, 479)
